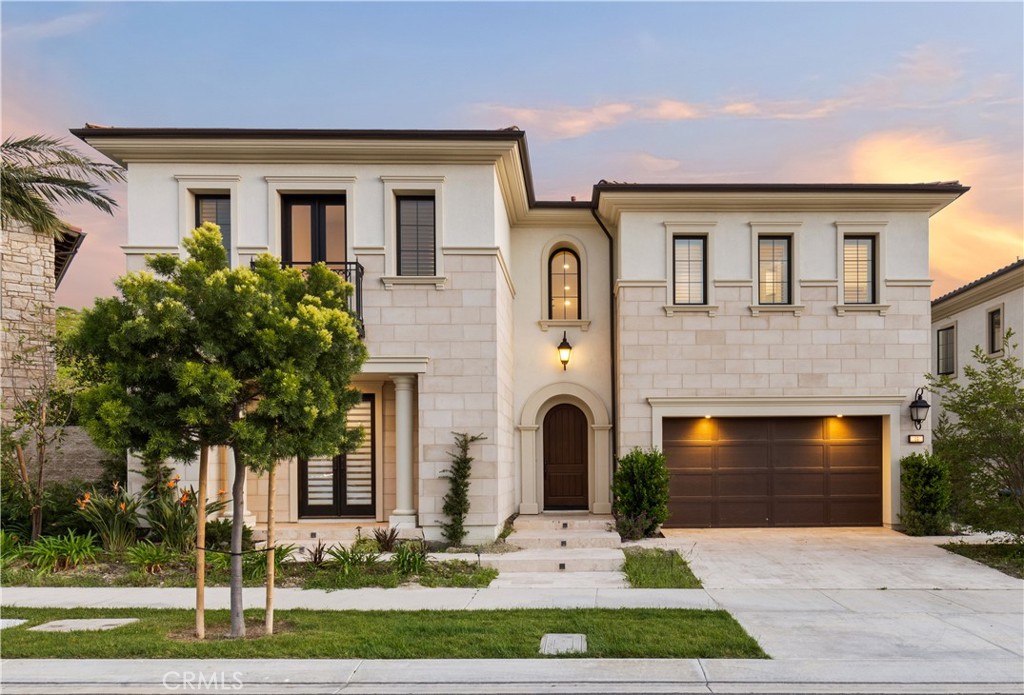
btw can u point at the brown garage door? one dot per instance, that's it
(806, 471)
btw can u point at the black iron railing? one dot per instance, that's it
(352, 272)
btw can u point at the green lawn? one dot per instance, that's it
(1008, 558)
(511, 634)
(655, 568)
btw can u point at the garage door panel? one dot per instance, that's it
(681, 457)
(691, 485)
(694, 514)
(800, 512)
(866, 482)
(744, 484)
(794, 483)
(741, 429)
(743, 512)
(741, 456)
(799, 428)
(806, 471)
(794, 455)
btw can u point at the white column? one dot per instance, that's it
(528, 456)
(404, 514)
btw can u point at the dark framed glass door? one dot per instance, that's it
(344, 485)
(313, 230)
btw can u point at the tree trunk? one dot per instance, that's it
(204, 461)
(268, 627)
(237, 525)
(37, 522)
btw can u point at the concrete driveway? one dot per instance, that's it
(857, 594)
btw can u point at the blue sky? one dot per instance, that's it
(710, 92)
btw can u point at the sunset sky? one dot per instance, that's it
(653, 92)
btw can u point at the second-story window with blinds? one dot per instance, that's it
(216, 208)
(417, 230)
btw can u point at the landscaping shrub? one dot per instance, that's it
(410, 558)
(254, 565)
(10, 547)
(218, 535)
(456, 500)
(318, 555)
(149, 557)
(386, 538)
(59, 510)
(56, 553)
(172, 516)
(924, 481)
(113, 516)
(640, 487)
(353, 558)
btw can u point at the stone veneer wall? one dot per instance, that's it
(505, 491)
(26, 303)
(456, 329)
(736, 354)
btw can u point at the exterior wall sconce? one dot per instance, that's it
(919, 408)
(564, 351)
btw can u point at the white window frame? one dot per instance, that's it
(775, 228)
(845, 228)
(395, 187)
(191, 185)
(706, 230)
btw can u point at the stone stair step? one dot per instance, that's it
(557, 560)
(565, 538)
(560, 580)
(564, 521)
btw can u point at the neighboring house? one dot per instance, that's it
(768, 337)
(977, 315)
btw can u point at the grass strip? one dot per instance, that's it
(506, 634)
(656, 568)
(1008, 558)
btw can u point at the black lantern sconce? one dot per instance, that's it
(919, 408)
(564, 351)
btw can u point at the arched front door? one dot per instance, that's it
(565, 458)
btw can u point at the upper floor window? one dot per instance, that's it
(945, 341)
(995, 331)
(216, 208)
(564, 285)
(859, 271)
(313, 230)
(689, 262)
(774, 270)
(416, 235)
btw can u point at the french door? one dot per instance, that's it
(345, 485)
(313, 230)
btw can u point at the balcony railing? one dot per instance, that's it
(350, 271)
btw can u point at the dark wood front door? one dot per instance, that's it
(795, 471)
(343, 485)
(565, 458)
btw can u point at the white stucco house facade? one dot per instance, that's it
(978, 314)
(768, 337)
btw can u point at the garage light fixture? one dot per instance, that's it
(919, 408)
(564, 351)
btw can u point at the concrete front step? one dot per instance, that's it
(560, 580)
(565, 538)
(328, 533)
(552, 521)
(556, 560)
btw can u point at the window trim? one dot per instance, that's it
(551, 284)
(995, 343)
(673, 229)
(760, 229)
(197, 199)
(951, 329)
(863, 228)
(874, 284)
(394, 187)
(192, 185)
(704, 269)
(280, 186)
(572, 243)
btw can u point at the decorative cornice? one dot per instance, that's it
(309, 179)
(880, 309)
(545, 324)
(438, 281)
(767, 401)
(186, 178)
(673, 309)
(758, 309)
(395, 365)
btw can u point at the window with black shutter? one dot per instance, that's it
(216, 208)
(416, 235)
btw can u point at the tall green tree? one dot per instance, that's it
(194, 354)
(983, 441)
(40, 172)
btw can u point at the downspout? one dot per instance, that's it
(614, 343)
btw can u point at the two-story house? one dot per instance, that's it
(768, 337)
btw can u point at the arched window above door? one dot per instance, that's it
(564, 285)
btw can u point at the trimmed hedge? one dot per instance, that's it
(924, 480)
(641, 494)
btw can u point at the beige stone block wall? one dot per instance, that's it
(736, 354)
(26, 306)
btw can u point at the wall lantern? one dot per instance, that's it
(564, 351)
(919, 408)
